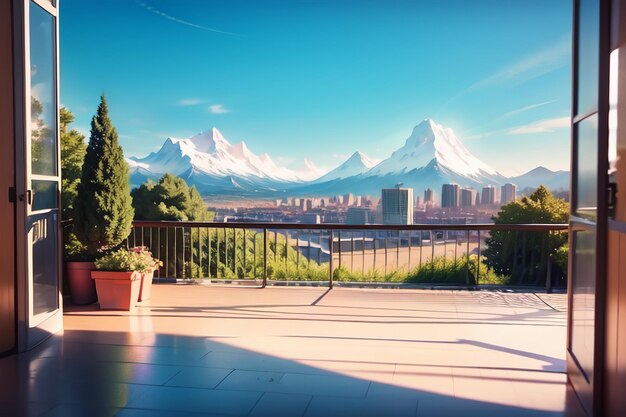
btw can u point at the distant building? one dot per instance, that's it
(429, 196)
(397, 205)
(359, 215)
(358, 201)
(467, 197)
(449, 195)
(488, 197)
(348, 199)
(310, 218)
(508, 193)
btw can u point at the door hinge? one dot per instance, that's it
(12, 195)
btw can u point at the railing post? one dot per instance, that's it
(331, 252)
(549, 276)
(264, 258)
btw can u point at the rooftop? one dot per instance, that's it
(280, 351)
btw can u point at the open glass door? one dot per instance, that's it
(588, 216)
(41, 303)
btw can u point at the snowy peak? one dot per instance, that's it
(209, 153)
(429, 141)
(357, 164)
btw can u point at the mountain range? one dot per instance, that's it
(431, 156)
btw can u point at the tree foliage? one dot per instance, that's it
(524, 255)
(103, 212)
(169, 199)
(73, 150)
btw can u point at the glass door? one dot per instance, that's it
(42, 303)
(588, 216)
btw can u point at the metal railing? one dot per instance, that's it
(326, 253)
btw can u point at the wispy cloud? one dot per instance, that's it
(525, 109)
(541, 126)
(541, 62)
(218, 109)
(181, 21)
(185, 102)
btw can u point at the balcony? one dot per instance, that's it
(268, 348)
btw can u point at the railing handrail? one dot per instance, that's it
(543, 227)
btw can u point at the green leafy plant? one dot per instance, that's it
(135, 259)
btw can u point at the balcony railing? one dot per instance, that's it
(327, 253)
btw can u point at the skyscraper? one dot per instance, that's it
(468, 197)
(449, 195)
(429, 196)
(397, 205)
(488, 197)
(508, 193)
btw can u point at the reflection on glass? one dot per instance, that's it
(588, 55)
(583, 300)
(586, 163)
(617, 129)
(45, 195)
(44, 240)
(43, 119)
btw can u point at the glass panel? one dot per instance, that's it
(587, 167)
(617, 128)
(43, 92)
(45, 258)
(583, 300)
(45, 195)
(588, 55)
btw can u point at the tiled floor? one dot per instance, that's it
(211, 351)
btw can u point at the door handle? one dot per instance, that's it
(28, 197)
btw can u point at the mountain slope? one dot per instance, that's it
(357, 164)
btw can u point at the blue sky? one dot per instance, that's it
(322, 79)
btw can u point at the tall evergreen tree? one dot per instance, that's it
(103, 211)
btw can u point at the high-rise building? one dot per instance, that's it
(348, 199)
(467, 197)
(358, 215)
(508, 193)
(488, 197)
(449, 195)
(397, 205)
(429, 196)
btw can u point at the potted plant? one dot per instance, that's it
(118, 278)
(148, 275)
(78, 267)
(102, 209)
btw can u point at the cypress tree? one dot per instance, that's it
(103, 211)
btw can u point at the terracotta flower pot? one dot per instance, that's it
(146, 286)
(117, 290)
(82, 287)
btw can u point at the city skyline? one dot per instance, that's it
(333, 79)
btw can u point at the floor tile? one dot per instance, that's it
(196, 400)
(332, 385)
(199, 377)
(360, 407)
(281, 405)
(251, 381)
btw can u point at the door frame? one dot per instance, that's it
(31, 330)
(590, 393)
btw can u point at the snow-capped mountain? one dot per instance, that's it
(430, 141)
(211, 154)
(357, 164)
(431, 156)
(213, 164)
